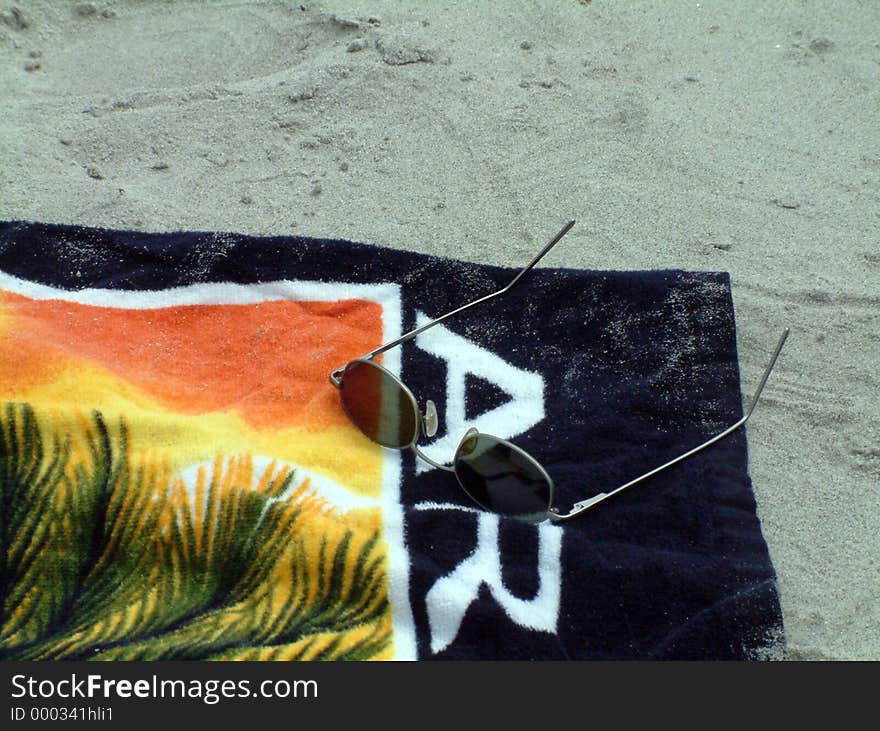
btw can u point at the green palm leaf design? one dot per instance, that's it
(106, 557)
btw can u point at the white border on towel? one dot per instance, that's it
(388, 296)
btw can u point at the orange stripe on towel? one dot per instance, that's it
(267, 361)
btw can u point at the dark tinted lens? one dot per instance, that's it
(502, 478)
(377, 405)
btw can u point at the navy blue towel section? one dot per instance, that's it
(600, 375)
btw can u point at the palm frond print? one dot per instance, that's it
(107, 557)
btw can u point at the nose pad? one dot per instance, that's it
(467, 444)
(429, 419)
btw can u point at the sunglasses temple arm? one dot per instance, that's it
(335, 375)
(585, 505)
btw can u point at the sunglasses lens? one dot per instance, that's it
(502, 478)
(378, 405)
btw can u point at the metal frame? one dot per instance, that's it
(476, 432)
(585, 505)
(336, 375)
(438, 465)
(403, 387)
(553, 514)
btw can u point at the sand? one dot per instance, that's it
(740, 137)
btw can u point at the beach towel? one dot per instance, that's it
(179, 480)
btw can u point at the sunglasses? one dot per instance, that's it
(496, 474)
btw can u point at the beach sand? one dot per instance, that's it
(739, 137)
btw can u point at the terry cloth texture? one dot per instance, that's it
(179, 480)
